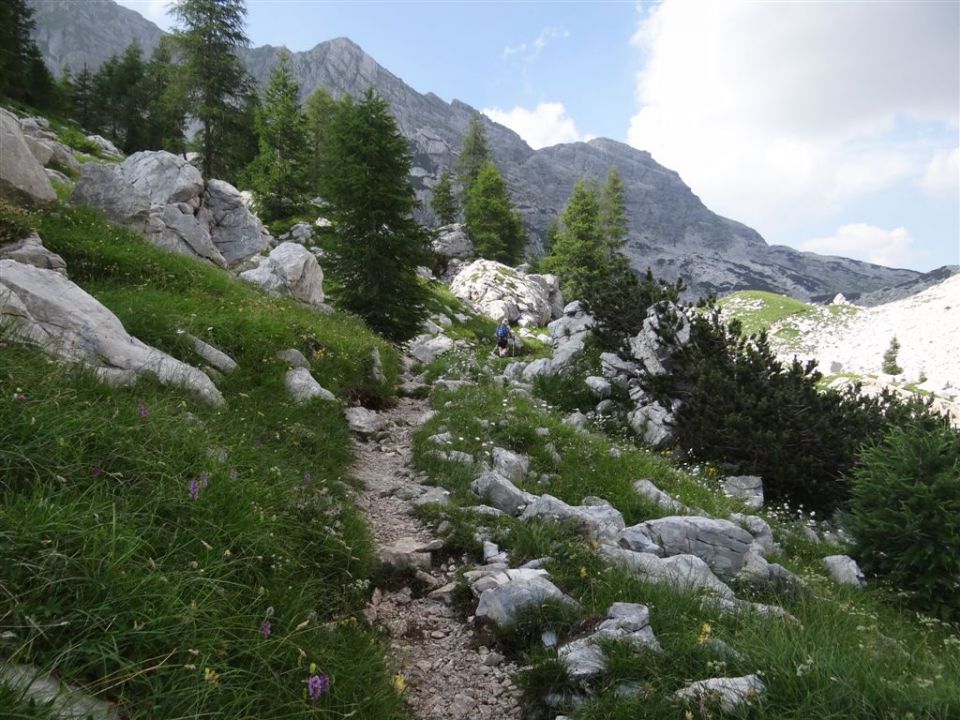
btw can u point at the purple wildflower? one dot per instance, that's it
(20, 397)
(96, 471)
(317, 685)
(266, 629)
(142, 410)
(194, 489)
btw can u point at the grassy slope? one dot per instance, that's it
(853, 655)
(114, 577)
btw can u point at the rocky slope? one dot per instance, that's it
(672, 231)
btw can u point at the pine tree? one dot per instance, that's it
(215, 81)
(83, 100)
(613, 212)
(129, 99)
(376, 246)
(321, 108)
(279, 174)
(106, 98)
(890, 366)
(443, 203)
(493, 225)
(473, 155)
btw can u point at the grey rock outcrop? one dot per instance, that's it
(626, 622)
(302, 386)
(596, 517)
(59, 700)
(214, 356)
(293, 358)
(844, 570)
(684, 572)
(653, 423)
(499, 291)
(513, 466)
(30, 251)
(496, 490)
(49, 311)
(452, 241)
(746, 488)
(363, 421)
(720, 543)
(162, 196)
(729, 693)
(663, 320)
(22, 179)
(519, 590)
(658, 497)
(426, 348)
(291, 270)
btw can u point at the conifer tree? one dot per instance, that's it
(165, 102)
(83, 101)
(215, 81)
(376, 246)
(129, 99)
(579, 254)
(279, 175)
(443, 203)
(493, 225)
(473, 155)
(320, 110)
(613, 212)
(23, 74)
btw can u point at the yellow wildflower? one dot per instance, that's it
(399, 683)
(211, 676)
(704, 633)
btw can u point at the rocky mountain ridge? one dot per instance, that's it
(671, 230)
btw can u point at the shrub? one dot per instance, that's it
(78, 141)
(744, 409)
(905, 515)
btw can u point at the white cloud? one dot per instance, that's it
(893, 248)
(528, 52)
(547, 124)
(942, 176)
(776, 112)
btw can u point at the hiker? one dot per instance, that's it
(504, 336)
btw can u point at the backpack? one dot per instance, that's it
(503, 332)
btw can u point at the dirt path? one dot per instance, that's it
(448, 675)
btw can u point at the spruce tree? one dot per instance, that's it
(320, 110)
(473, 155)
(443, 203)
(279, 175)
(165, 102)
(376, 245)
(613, 212)
(579, 253)
(890, 366)
(83, 100)
(23, 74)
(129, 100)
(216, 83)
(493, 225)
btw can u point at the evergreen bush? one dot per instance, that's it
(905, 514)
(890, 366)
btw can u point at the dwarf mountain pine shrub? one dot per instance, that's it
(743, 408)
(905, 514)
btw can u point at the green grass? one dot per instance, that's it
(853, 654)
(114, 577)
(765, 308)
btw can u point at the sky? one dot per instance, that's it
(827, 126)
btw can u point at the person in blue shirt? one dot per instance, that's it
(503, 338)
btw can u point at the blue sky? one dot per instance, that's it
(830, 126)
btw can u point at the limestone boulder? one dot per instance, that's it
(513, 466)
(626, 622)
(235, 231)
(363, 421)
(844, 570)
(289, 270)
(650, 346)
(452, 241)
(426, 348)
(730, 693)
(30, 251)
(596, 517)
(514, 591)
(47, 310)
(105, 147)
(22, 179)
(302, 386)
(658, 497)
(684, 572)
(746, 488)
(499, 291)
(721, 544)
(499, 492)
(653, 423)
